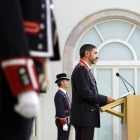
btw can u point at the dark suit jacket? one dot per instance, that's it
(85, 98)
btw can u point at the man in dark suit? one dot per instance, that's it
(25, 40)
(85, 97)
(62, 105)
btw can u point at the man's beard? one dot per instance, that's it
(92, 61)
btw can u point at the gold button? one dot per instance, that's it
(42, 6)
(42, 26)
(40, 46)
(40, 35)
(22, 70)
(43, 16)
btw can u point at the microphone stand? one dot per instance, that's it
(124, 84)
(127, 83)
(117, 74)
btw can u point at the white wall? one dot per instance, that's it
(68, 14)
(48, 128)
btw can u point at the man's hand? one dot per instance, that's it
(110, 100)
(28, 104)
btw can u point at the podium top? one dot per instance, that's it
(125, 95)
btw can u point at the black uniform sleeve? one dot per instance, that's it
(13, 38)
(84, 89)
(14, 49)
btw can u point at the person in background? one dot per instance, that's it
(85, 97)
(26, 37)
(62, 106)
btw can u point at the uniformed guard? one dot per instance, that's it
(62, 105)
(85, 97)
(26, 40)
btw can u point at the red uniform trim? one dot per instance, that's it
(63, 121)
(38, 59)
(86, 66)
(20, 74)
(66, 111)
(31, 27)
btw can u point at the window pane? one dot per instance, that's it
(115, 29)
(115, 51)
(135, 41)
(90, 37)
(104, 84)
(128, 75)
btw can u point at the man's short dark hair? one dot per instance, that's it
(84, 48)
(59, 82)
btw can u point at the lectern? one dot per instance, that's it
(130, 115)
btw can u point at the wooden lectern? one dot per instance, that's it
(130, 115)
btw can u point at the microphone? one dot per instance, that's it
(118, 75)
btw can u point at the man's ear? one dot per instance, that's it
(62, 83)
(86, 53)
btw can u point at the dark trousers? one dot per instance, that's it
(84, 133)
(62, 135)
(12, 125)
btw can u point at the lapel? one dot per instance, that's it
(65, 95)
(92, 76)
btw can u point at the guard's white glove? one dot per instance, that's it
(28, 104)
(65, 127)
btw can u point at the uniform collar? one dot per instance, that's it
(62, 90)
(85, 63)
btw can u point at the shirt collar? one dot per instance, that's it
(85, 63)
(62, 90)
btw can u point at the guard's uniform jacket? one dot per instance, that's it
(85, 97)
(63, 111)
(62, 106)
(33, 17)
(25, 32)
(26, 38)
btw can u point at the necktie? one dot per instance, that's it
(92, 76)
(68, 98)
